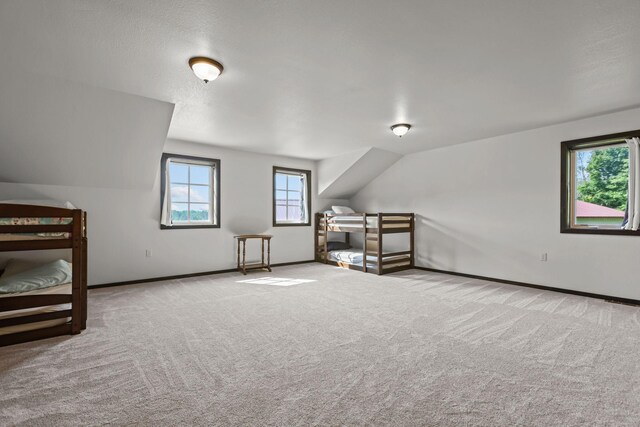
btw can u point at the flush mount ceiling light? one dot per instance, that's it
(400, 129)
(205, 69)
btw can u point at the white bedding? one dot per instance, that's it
(349, 256)
(6, 237)
(354, 257)
(64, 288)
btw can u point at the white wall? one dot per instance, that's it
(491, 207)
(124, 223)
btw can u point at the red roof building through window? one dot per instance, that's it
(591, 210)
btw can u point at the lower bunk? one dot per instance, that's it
(353, 259)
(36, 303)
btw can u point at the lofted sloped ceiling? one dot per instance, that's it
(343, 176)
(332, 168)
(58, 132)
(316, 79)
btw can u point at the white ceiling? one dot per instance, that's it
(314, 79)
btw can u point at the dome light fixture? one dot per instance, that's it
(400, 129)
(205, 69)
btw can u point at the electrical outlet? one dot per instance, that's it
(543, 256)
(148, 253)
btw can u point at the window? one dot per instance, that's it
(190, 192)
(291, 200)
(600, 183)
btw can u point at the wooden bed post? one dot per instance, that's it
(379, 243)
(84, 271)
(316, 236)
(77, 273)
(326, 238)
(319, 246)
(365, 243)
(268, 254)
(412, 242)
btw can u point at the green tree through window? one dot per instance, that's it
(607, 178)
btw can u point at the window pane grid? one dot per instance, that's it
(289, 197)
(194, 209)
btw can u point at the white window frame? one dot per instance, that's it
(166, 197)
(305, 196)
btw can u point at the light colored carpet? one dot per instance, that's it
(347, 348)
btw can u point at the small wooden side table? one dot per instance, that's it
(242, 240)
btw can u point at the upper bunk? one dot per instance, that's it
(41, 225)
(363, 222)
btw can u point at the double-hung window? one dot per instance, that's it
(190, 192)
(601, 184)
(291, 196)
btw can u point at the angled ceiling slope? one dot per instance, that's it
(343, 176)
(57, 132)
(314, 79)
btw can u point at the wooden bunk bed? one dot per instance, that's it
(31, 228)
(372, 227)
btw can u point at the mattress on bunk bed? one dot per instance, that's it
(19, 267)
(35, 221)
(372, 221)
(64, 288)
(354, 257)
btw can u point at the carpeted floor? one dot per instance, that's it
(317, 345)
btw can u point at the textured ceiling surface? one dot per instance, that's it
(314, 79)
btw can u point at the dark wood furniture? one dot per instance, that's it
(74, 237)
(242, 241)
(372, 227)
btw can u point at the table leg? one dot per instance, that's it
(268, 254)
(244, 257)
(239, 255)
